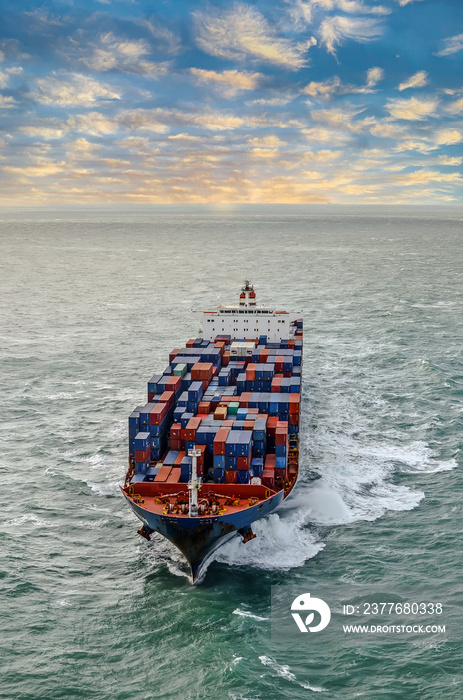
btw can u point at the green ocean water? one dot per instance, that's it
(93, 300)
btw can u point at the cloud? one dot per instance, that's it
(166, 40)
(387, 131)
(82, 146)
(411, 145)
(11, 49)
(334, 117)
(242, 32)
(112, 53)
(301, 11)
(374, 75)
(270, 141)
(416, 80)
(322, 135)
(272, 101)
(42, 18)
(183, 137)
(230, 81)
(455, 107)
(453, 44)
(66, 89)
(424, 177)
(144, 120)
(327, 88)
(93, 123)
(40, 168)
(412, 109)
(7, 102)
(452, 161)
(448, 137)
(265, 152)
(402, 3)
(6, 74)
(47, 133)
(335, 30)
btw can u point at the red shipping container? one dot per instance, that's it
(190, 342)
(251, 371)
(294, 419)
(202, 449)
(294, 403)
(270, 460)
(142, 455)
(174, 476)
(191, 428)
(245, 398)
(158, 413)
(176, 444)
(202, 370)
(227, 424)
(271, 425)
(167, 397)
(163, 474)
(173, 355)
(279, 361)
(204, 407)
(230, 476)
(268, 478)
(225, 358)
(174, 384)
(254, 411)
(220, 440)
(243, 462)
(280, 472)
(282, 424)
(276, 385)
(176, 430)
(281, 436)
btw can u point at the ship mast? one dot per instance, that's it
(194, 484)
(248, 295)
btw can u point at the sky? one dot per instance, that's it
(295, 101)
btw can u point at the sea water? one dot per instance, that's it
(93, 300)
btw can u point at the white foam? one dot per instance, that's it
(246, 613)
(428, 468)
(108, 489)
(284, 672)
(356, 479)
(282, 542)
(28, 518)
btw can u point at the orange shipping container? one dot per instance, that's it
(162, 474)
(174, 476)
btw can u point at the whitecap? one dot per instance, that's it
(245, 613)
(284, 672)
(281, 542)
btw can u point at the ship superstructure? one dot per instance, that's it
(217, 445)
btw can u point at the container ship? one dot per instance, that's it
(216, 446)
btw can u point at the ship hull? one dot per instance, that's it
(199, 538)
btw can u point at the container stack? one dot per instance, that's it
(236, 400)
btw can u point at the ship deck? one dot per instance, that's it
(218, 499)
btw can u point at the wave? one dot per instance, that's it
(246, 613)
(284, 672)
